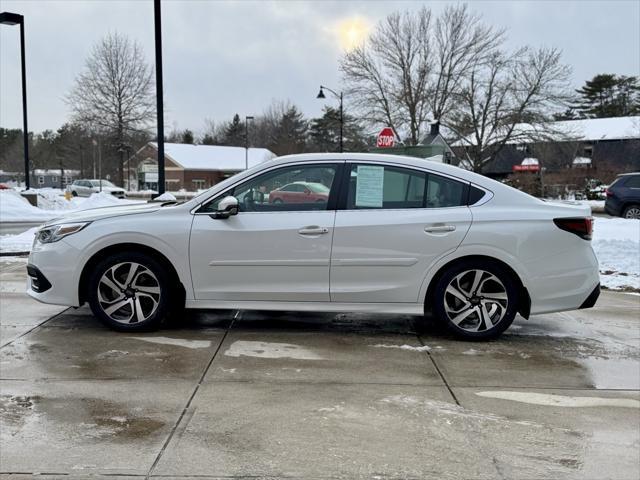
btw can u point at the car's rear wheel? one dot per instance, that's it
(476, 300)
(74, 193)
(129, 292)
(632, 211)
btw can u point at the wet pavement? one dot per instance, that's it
(236, 394)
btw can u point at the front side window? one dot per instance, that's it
(298, 188)
(387, 187)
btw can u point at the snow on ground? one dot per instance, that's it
(15, 208)
(18, 243)
(616, 242)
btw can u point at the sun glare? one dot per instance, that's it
(352, 33)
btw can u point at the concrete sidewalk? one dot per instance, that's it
(289, 395)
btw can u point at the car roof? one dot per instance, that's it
(436, 167)
(627, 174)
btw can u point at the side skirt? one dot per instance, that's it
(397, 308)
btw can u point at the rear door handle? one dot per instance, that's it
(440, 228)
(313, 230)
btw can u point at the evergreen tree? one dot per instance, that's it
(324, 133)
(234, 133)
(609, 95)
(187, 137)
(289, 134)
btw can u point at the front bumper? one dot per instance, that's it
(53, 270)
(38, 282)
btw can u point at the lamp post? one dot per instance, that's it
(339, 96)
(246, 141)
(157, 20)
(7, 18)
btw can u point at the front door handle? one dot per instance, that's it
(440, 228)
(313, 230)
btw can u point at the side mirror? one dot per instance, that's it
(228, 206)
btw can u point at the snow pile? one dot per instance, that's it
(165, 197)
(15, 208)
(18, 243)
(410, 348)
(99, 200)
(616, 242)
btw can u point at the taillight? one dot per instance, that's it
(582, 227)
(608, 192)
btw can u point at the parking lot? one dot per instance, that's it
(235, 394)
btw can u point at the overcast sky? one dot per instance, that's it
(226, 57)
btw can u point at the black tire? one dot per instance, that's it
(74, 193)
(277, 201)
(158, 275)
(631, 211)
(463, 329)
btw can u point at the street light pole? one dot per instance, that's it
(340, 97)
(159, 96)
(8, 18)
(246, 141)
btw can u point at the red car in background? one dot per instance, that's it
(300, 192)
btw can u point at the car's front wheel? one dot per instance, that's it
(632, 211)
(129, 292)
(476, 300)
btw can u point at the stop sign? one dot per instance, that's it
(386, 138)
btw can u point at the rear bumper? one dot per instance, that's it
(590, 301)
(612, 207)
(570, 282)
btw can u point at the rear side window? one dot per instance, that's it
(475, 195)
(444, 192)
(387, 187)
(633, 181)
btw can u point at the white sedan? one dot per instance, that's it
(395, 235)
(85, 188)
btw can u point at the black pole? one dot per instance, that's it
(24, 105)
(159, 100)
(341, 126)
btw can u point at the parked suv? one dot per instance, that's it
(84, 188)
(623, 196)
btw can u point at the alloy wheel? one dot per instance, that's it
(632, 212)
(475, 300)
(129, 293)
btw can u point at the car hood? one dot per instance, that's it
(105, 212)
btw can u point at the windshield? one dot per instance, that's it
(105, 183)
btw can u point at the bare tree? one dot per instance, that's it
(114, 94)
(509, 100)
(409, 68)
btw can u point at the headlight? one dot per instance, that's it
(56, 232)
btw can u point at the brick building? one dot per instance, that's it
(189, 167)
